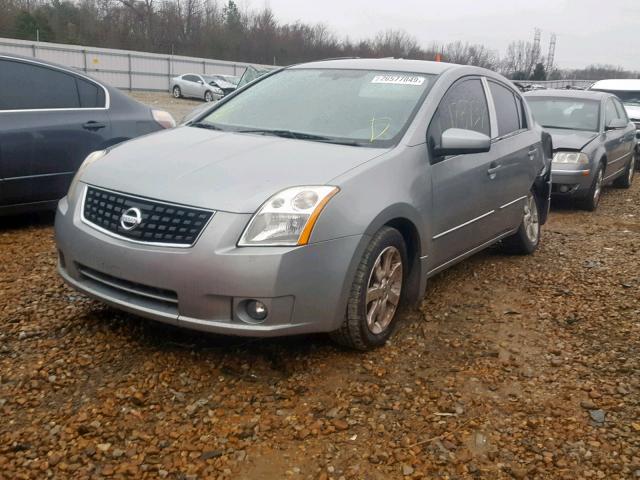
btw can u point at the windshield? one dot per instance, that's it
(566, 113)
(628, 97)
(368, 108)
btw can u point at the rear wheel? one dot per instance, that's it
(375, 293)
(591, 201)
(177, 93)
(526, 240)
(626, 179)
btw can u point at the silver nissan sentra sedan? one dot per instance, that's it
(314, 199)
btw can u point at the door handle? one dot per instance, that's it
(493, 169)
(532, 153)
(93, 125)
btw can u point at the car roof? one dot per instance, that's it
(384, 64)
(563, 93)
(618, 84)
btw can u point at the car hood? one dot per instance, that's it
(225, 171)
(633, 111)
(570, 139)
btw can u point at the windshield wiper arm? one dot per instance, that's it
(208, 126)
(300, 136)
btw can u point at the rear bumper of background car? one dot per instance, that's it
(207, 286)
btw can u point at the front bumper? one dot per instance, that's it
(569, 180)
(205, 287)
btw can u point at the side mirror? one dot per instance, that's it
(458, 141)
(616, 123)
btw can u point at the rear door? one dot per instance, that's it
(628, 140)
(515, 148)
(461, 185)
(614, 142)
(50, 119)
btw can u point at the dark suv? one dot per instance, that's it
(51, 118)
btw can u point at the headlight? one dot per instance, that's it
(92, 157)
(578, 158)
(217, 91)
(287, 218)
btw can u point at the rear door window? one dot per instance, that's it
(26, 86)
(508, 112)
(463, 106)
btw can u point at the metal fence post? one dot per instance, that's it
(33, 47)
(204, 67)
(84, 59)
(130, 74)
(169, 71)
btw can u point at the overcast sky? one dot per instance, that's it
(588, 31)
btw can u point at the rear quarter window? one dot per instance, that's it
(91, 95)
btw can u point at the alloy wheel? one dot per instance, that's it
(531, 220)
(176, 92)
(598, 187)
(383, 290)
(208, 97)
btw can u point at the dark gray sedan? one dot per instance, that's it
(593, 139)
(51, 118)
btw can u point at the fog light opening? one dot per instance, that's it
(564, 188)
(256, 310)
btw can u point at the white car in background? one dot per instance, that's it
(628, 91)
(205, 87)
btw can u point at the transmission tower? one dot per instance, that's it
(552, 52)
(536, 45)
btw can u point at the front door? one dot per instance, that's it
(462, 185)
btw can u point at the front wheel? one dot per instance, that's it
(177, 93)
(526, 240)
(592, 200)
(375, 293)
(208, 96)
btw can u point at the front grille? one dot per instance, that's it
(161, 223)
(169, 298)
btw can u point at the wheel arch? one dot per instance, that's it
(407, 220)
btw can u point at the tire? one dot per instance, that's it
(177, 93)
(591, 201)
(208, 96)
(626, 179)
(526, 240)
(369, 325)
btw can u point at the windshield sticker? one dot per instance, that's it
(398, 79)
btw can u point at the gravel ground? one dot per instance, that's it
(513, 367)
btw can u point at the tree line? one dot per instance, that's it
(221, 30)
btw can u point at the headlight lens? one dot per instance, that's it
(92, 157)
(578, 158)
(288, 217)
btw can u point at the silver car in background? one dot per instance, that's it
(205, 87)
(594, 141)
(314, 200)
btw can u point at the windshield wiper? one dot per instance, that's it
(208, 126)
(300, 136)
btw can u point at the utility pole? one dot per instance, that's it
(552, 53)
